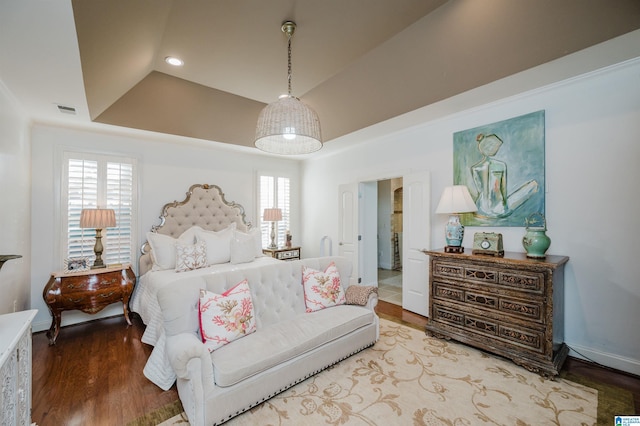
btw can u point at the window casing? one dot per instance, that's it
(275, 191)
(99, 181)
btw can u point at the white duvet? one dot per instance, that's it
(144, 302)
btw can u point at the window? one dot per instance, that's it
(275, 192)
(97, 181)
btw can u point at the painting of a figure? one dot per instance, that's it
(502, 164)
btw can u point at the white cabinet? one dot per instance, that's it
(15, 368)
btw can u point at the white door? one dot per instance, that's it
(348, 226)
(416, 237)
(368, 231)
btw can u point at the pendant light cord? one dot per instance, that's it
(289, 35)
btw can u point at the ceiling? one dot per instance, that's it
(356, 62)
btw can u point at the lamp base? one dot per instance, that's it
(454, 249)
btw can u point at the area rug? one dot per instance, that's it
(410, 378)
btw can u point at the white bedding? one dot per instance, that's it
(144, 302)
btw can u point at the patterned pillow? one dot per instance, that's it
(191, 256)
(226, 317)
(359, 294)
(322, 289)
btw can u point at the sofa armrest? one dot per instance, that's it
(187, 354)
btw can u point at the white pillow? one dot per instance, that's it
(218, 244)
(243, 248)
(191, 256)
(255, 234)
(163, 247)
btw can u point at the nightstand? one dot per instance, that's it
(88, 291)
(292, 253)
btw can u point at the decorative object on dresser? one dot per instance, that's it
(512, 306)
(7, 257)
(15, 367)
(288, 125)
(292, 253)
(98, 219)
(455, 200)
(272, 215)
(489, 243)
(87, 291)
(536, 242)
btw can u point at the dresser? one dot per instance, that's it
(291, 253)
(512, 306)
(88, 291)
(15, 368)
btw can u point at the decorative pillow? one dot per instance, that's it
(163, 247)
(218, 244)
(243, 248)
(322, 289)
(191, 256)
(359, 294)
(226, 317)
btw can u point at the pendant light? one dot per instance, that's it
(288, 126)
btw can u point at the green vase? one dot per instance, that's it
(536, 242)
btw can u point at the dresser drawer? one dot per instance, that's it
(497, 304)
(478, 326)
(288, 254)
(511, 279)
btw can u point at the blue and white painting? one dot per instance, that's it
(502, 164)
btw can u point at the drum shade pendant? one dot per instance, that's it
(288, 126)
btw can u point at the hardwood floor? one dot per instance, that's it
(93, 375)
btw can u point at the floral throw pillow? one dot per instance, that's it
(322, 289)
(191, 256)
(226, 317)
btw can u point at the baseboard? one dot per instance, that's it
(628, 365)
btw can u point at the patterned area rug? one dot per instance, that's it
(409, 378)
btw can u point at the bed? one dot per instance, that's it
(174, 254)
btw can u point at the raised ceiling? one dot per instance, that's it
(356, 62)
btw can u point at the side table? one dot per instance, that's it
(88, 291)
(291, 253)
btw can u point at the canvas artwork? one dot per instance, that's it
(502, 164)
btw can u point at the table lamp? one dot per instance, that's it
(98, 219)
(455, 200)
(272, 215)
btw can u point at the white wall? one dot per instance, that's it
(592, 172)
(168, 166)
(15, 210)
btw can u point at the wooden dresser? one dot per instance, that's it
(512, 306)
(88, 291)
(15, 368)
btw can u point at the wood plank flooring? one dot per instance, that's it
(93, 375)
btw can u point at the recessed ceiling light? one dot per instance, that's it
(172, 60)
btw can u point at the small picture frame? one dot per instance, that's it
(76, 264)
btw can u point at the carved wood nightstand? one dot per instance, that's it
(87, 291)
(292, 253)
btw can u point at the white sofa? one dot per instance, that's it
(289, 345)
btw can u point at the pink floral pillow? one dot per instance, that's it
(322, 289)
(226, 317)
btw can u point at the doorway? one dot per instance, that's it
(357, 228)
(390, 240)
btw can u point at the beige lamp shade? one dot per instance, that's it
(288, 127)
(456, 199)
(97, 218)
(272, 215)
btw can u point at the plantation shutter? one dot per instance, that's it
(275, 192)
(94, 181)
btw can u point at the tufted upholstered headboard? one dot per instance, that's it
(204, 206)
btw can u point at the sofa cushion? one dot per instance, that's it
(226, 317)
(278, 343)
(322, 289)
